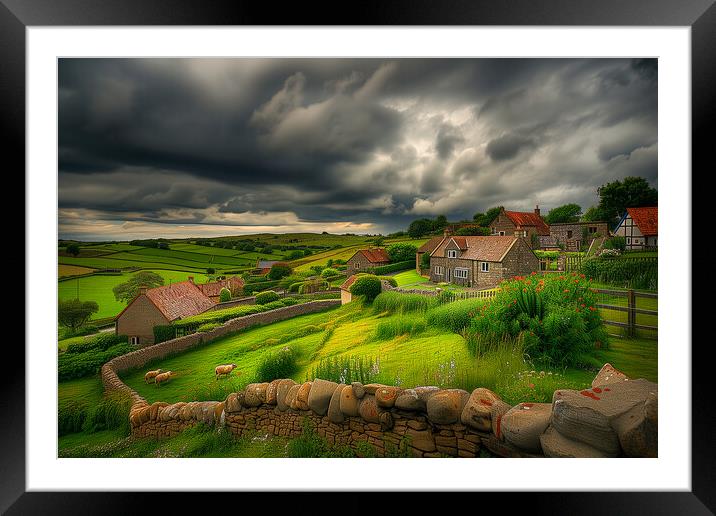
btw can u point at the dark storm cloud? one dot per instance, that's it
(324, 141)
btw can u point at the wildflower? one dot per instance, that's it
(592, 308)
(583, 305)
(566, 290)
(531, 386)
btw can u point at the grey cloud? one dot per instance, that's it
(507, 146)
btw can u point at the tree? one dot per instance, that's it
(73, 249)
(211, 271)
(401, 252)
(425, 261)
(440, 223)
(617, 196)
(128, 290)
(367, 286)
(485, 219)
(224, 295)
(279, 270)
(473, 231)
(378, 241)
(73, 313)
(564, 213)
(420, 227)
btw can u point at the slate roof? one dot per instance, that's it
(646, 219)
(375, 255)
(179, 300)
(526, 218)
(482, 248)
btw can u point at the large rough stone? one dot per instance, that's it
(271, 391)
(409, 400)
(349, 403)
(370, 388)
(358, 389)
(281, 392)
(609, 374)
(524, 423)
(445, 407)
(385, 396)
(497, 412)
(425, 392)
(477, 411)
(555, 444)
(291, 396)
(421, 439)
(154, 409)
(256, 394)
(232, 404)
(301, 401)
(320, 396)
(386, 421)
(334, 407)
(603, 416)
(369, 410)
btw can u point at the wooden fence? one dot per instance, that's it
(626, 302)
(474, 294)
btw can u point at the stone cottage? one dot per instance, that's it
(528, 225)
(481, 261)
(160, 306)
(346, 295)
(212, 290)
(640, 228)
(572, 236)
(428, 247)
(366, 260)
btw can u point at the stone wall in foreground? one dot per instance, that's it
(617, 417)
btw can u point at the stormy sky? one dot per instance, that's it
(211, 147)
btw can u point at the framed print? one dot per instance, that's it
(284, 252)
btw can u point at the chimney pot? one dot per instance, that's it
(537, 209)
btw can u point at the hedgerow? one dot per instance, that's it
(394, 267)
(623, 272)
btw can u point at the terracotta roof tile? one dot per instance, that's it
(430, 245)
(179, 300)
(213, 288)
(483, 248)
(375, 255)
(347, 283)
(646, 219)
(526, 218)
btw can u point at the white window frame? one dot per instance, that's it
(484, 266)
(461, 273)
(452, 253)
(357, 265)
(134, 341)
(439, 270)
(501, 233)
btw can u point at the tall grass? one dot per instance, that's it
(347, 369)
(454, 316)
(402, 325)
(395, 302)
(277, 364)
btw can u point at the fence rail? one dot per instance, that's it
(630, 308)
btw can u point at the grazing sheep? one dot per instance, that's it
(162, 377)
(150, 375)
(224, 370)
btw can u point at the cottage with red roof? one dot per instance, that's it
(481, 261)
(640, 228)
(366, 260)
(213, 289)
(528, 225)
(160, 306)
(346, 295)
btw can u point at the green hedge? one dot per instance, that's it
(89, 362)
(250, 288)
(638, 273)
(394, 267)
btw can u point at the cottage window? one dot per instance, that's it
(592, 229)
(502, 233)
(461, 273)
(134, 340)
(356, 265)
(438, 270)
(452, 253)
(484, 267)
(569, 233)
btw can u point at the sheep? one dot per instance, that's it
(223, 370)
(150, 375)
(162, 377)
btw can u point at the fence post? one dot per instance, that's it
(631, 314)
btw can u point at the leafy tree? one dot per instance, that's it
(130, 289)
(378, 241)
(401, 252)
(425, 261)
(473, 231)
(295, 254)
(279, 270)
(565, 213)
(440, 222)
(617, 196)
(73, 249)
(73, 313)
(328, 271)
(224, 295)
(211, 271)
(420, 227)
(485, 219)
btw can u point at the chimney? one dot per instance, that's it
(537, 210)
(447, 231)
(191, 279)
(142, 290)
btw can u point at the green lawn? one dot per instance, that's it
(99, 288)
(409, 278)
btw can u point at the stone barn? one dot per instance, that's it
(366, 260)
(528, 225)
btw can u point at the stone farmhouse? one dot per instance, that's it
(571, 236)
(640, 227)
(212, 290)
(527, 225)
(481, 261)
(163, 305)
(346, 295)
(366, 260)
(263, 267)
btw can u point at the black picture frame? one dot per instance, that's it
(700, 15)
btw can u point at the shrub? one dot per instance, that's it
(454, 316)
(425, 261)
(308, 287)
(393, 302)
(266, 296)
(88, 362)
(163, 333)
(401, 252)
(102, 342)
(367, 286)
(277, 364)
(394, 267)
(295, 286)
(623, 272)
(554, 318)
(279, 270)
(208, 326)
(390, 279)
(224, 295)
(329, 271)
